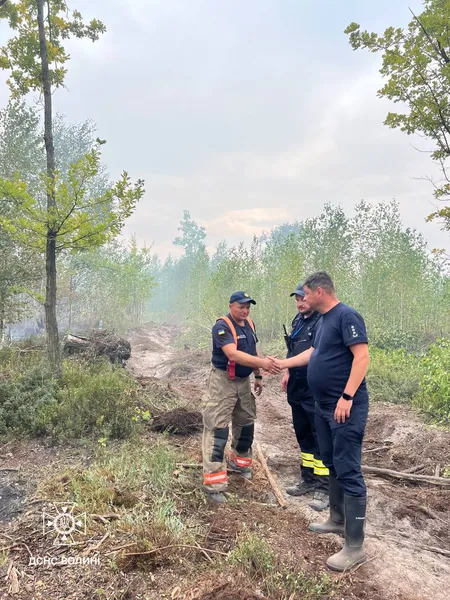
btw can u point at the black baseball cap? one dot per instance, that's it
(241, 297)
(299, 291)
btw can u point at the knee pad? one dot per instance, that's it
(245, 440)
(220, 441)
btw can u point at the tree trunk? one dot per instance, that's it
(51, 323)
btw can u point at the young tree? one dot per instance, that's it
(416, 64)
(36, 59)
(192, 237)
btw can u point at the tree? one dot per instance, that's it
(36, 60)
(416, 63)
(21, 147)
(192, 236)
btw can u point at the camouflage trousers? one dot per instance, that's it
(227, 400)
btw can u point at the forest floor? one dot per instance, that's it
(408, 523)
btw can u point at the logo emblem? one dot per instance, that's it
(65, 521)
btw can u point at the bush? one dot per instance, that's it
(93, 399)
(23, 397)
(90, 399)
(393, 375)
(434, 395)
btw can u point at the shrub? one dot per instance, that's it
(94, 398)
(434, 395)
(393, 375)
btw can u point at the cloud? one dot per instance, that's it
(246, 222)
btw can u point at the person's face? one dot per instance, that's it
(239, 311)
(302, 306)
(313, 298)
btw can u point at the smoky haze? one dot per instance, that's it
(248, 114)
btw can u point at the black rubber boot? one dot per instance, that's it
(353, 551)
(335, 523)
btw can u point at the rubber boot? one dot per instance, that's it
(335, 523)
(353, 551)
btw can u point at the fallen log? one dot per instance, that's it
(390, 474)
(273, 484)
(101, 342)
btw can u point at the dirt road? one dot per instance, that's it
(403, 518)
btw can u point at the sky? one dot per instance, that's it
(246, 113)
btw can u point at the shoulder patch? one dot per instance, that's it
(221, 332)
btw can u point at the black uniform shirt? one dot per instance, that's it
(331, 361)
(246, 342)
(301, 338)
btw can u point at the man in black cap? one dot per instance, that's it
(229, 396)
(314, 474)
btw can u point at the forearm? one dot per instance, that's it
(357, 374)
(301, 360)
(246, 360)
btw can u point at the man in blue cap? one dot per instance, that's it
(314, 474)
(229, 396)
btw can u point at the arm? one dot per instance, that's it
(358, 372)
(301, 360)
(247, 360)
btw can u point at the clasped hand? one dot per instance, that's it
(271, 365)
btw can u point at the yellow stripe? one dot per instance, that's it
(320, 468)
(307, 456)
(323, 472)
(308, 463)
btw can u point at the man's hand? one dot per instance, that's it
(258, 387)
(284, 381)
(269, 365)
(343, 408)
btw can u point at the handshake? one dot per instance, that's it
(272, 365)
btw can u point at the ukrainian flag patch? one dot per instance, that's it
(221, 332)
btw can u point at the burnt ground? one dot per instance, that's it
(403, 518)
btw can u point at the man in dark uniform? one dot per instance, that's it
(229, 396)
(314, 474)
(337, 365)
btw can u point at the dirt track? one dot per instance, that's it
(402, 518)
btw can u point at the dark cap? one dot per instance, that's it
(241, 297)
(299, 291)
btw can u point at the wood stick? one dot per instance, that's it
(443, 481)
(377, 449)
(119, 548)
(415, 469)
(279, 496)
(437, 471)
(419, 546)
(176, 546)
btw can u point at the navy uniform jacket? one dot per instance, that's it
(246, 342)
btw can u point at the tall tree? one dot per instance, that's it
(416, 64)
(36, 58)
(192, 237)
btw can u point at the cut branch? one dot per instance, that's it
(279, 496)
(390, 474)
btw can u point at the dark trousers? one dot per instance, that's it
(341, 445)
(303, 418)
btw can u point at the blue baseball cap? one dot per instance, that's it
(241, 297)
(299, 291)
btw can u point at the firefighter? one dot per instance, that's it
(314, 474)
(229, 396)
(337, 365)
